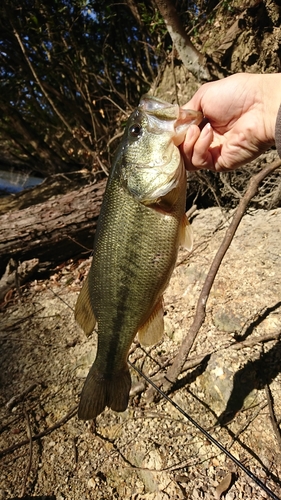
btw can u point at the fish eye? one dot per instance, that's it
(135, 130)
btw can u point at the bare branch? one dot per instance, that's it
(41, 434)
(47, 96)
(176, 368)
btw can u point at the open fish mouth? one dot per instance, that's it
(157, 128)
(165, 117)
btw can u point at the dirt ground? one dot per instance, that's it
(151, 451)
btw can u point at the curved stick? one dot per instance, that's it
(175, 369)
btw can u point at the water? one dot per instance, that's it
(14, 181)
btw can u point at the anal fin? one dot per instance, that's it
(84, 314)
(152, 330)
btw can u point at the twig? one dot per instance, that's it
(256, 340)
(19, 397)
(7, 424)
(205, 180)
(13, 326)
(235, 436)
(45, 93)
(273, 419)
(235, 192)
(28, 467)
(209, 436)
(174, 371)
(79, 244)
(104, 169)
(276, 197)
(112, 139)
(115, 104)
(194, 361)
(44, 433)
(17, 274)
(191, 211)
(174, 74)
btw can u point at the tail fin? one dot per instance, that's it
(101, 390)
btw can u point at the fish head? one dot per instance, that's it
(151, 164)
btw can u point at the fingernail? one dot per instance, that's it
(206, 130)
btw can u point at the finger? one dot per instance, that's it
(196, 100)
(194, 103)
(200, 156)
(192, 134)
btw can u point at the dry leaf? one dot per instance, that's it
(223, 486)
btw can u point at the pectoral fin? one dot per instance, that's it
(152, 330)
(186, 234)
(83, 310)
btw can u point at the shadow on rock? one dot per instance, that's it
(254, 375)
(257, 322)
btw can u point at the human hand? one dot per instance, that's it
(241, 111)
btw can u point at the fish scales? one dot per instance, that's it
(134, 255)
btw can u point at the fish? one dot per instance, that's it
(141, 225)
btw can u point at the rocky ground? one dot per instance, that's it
(151, 451)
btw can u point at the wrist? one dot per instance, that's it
(278, 132)
(271, 85)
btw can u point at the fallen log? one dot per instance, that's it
(54, 185)
(52, 231)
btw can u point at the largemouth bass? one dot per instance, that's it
(141, 225)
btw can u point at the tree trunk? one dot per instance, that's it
(193, 60)
(53, 231)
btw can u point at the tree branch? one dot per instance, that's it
(174, 371)
(47, 96)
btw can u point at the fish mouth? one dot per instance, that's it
(165, 117)
(157, 167)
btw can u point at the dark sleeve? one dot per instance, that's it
(278, 132)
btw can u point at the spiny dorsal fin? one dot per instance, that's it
(83, 310)
(186, 234)
(152, 330)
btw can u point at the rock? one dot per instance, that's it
(140, 453)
